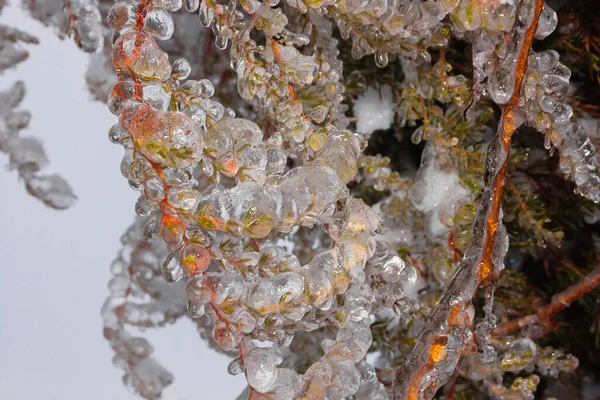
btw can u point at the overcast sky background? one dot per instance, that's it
(54, 265)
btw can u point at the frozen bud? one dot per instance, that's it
(519, 355)
(171, 268)
(195, 258)
(52, 190)
(255, 158)
(288, 385)
(196, 114)
(346, 378)
(404, 306)
(217, 142)
(299, 68)
(547, 23)
(550, 362)
(203, 88)
(228, 165)
(119, 284)
(341, 152)
(207, 89)
(183, 199)
(261, 367)
(150, 378)
(468, 18)
(318, 114)
(216, 110)
(354, 254)
(200, 289)
(89, 28)
(250, 6)
(318, 275)
(229, 288)
(244, 320)
(562, 113)
(270, 20)
(208, 167)
(360, 217)
(274, 294)
(159, 23)
(181, 69)
(144, 207)
(156, 96)
(561, 71)
(154, 189)
(152, 226)
(546, 60)
(120, 93)
(172, 228)
(121, 15)
(136, 53)
(206, 14)
(167, 138)
(225, 338)
(242, 131)
(276, 161)
(502, 85)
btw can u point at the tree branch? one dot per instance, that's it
(439, 346)
(544, 316)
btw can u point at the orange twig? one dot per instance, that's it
(544, 315)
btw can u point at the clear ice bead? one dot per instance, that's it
(181, 69)
(159, 23)
(121, 15)
(547, 23)
(171, 268)
(501, 85)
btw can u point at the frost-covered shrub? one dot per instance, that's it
(266, 217)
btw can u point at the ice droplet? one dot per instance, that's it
(159, 23)
(171, 268)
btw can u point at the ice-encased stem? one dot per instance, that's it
(439, 346)
(544, 315)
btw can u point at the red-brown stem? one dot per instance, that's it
(544, 315)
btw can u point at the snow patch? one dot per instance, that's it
(374, 110)
(437, 193)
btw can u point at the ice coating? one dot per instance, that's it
(259, 222)
(265, 293)
(26, 155)
(437, 352)
(223, 199)
(168, 138)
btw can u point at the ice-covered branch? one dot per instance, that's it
(26, 154)
(448, 327)
(544, 314)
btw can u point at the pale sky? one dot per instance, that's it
(54, 265)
